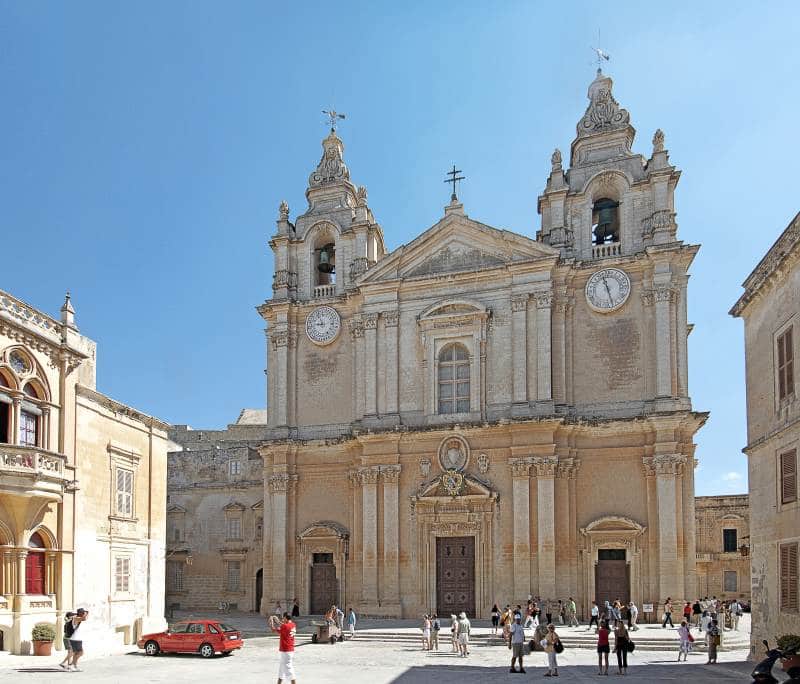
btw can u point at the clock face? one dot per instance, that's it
(608, 290)
(323, 324)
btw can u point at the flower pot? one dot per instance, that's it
(42, 648)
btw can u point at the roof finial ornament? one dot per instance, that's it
(283, 211)
(454, 178)
(658, 141)
(333, 118)
(601, 55)
(68, 312)
(555, 160)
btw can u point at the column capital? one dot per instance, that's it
(390, 318)
(664, 464)
(520, 467)
(282, 482)
(568, 467)
(369, 474)
(370, 321)
(390, 473)
(283, 338)
(356, 327)
(544, 299)
(661, 293)
(545, 467)
(519, 302)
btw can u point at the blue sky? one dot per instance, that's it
(147, 146)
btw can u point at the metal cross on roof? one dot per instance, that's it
(454, 178)
(333, 117)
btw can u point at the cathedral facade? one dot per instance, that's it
(480, 415)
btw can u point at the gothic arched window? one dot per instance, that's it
(453, 381)
(605, 222)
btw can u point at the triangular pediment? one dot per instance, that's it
(457, 244)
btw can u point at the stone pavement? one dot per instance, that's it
(371, 662)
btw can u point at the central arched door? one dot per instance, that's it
(324, 591)
(455, 575)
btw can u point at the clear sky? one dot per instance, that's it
(146, 146)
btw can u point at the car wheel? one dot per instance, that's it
(333, 640)
(151, 648)
(206, 650)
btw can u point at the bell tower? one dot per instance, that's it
(322, 254)
(611, 202)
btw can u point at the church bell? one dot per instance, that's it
(326, 258)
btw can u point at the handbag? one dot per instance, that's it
(631, 646)
(558, 647)
(691, 638)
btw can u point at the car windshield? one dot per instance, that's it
(227, 628)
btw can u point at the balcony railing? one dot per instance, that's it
(32, 471)
(607, 250)
(705, 557)
(321, 291)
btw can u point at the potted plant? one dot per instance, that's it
(790, 642)
(42, 636)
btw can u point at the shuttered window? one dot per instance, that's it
(124, 492)
(453, 381)
(789, 477)
(789, 577)
(785, 364)
(234, 576)
(122, 574)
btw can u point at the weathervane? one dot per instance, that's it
(454, 178)
(333, 118)
(601, 54)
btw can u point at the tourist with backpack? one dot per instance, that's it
(68, 629)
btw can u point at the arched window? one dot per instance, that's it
(5, 410)
(34, 565)
(605, 222)
(453, 380)
(29, 417)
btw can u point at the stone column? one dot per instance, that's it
(266, 543)
(390, 320)
(9, 585)
(16, 403)
(663, 296)
(45, 440)
(21, 557)
(369, 545)
(682, 333)
(559, 353)
(543, 332)
(519, 347)
(370, 364)
(51, 559)
(668, 568)
(545, 486)
(356, 325)
(521, 498)
(690, 542)
(280, 346)
(279, 487)
(390, 599)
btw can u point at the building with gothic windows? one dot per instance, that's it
(82, 489)
(476, 416)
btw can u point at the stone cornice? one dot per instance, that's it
(783, 252)
(121, 409)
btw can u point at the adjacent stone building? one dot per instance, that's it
(82, 488)
(769, 308)
(722, 533)
(482, 414)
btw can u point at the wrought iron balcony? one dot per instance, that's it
(32, 472)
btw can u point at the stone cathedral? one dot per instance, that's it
(480, 415)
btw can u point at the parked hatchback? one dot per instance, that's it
(205, 637)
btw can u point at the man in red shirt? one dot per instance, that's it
(286, 631)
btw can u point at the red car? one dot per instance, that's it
(205, 637)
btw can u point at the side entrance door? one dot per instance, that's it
(324, 590)
(259, 588)
(611, 578)
(455, 576)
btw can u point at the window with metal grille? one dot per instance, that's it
(124, 492)
(122, 573)
(453, 379)
(789, 577)
(234, 528)
(785, 364)
(234, 576)
(730, 580)
(175, 576)
(27, 428)
(789, 477)
(234, 468)
(729, 541)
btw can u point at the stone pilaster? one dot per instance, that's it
(390, 320)
(519, 347)
(370, 363)
(545, 485)
(356, 326)
(521, 497)
(667, 468)
(280, 484)
(369, 544)
(544, 300)
(559, 353)
(21, 557)
(390, 599)
(662, 296)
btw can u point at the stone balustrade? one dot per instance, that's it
(607, 250)
(34, 470)
(322, 291)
